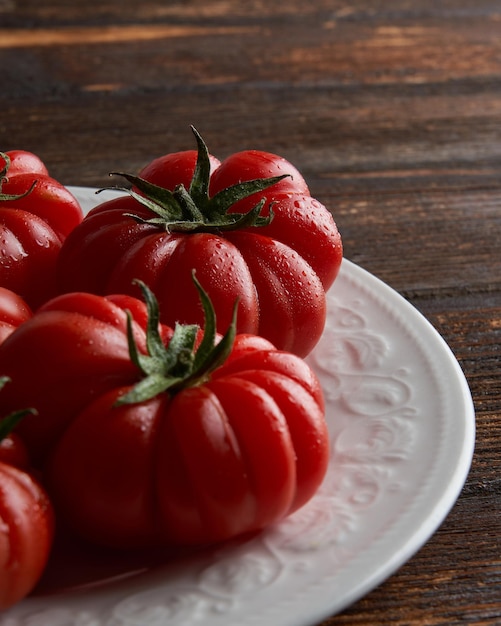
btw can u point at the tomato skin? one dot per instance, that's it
(175, 168)
(26, 533)
(107, 235)
(295, 214)
(29, 252)
(252, 447)
(22, 161)
(165, 264)
(73, 349)
(13, 312)
(114, 493)
(223, 458)
(292, 305)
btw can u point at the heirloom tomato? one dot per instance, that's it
(36, 214)
(13, 312)
(196, 438)
(263, 240)
(26, 519)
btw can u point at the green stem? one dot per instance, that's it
(193, 210)
(178, 365)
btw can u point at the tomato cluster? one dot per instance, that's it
(163, 356)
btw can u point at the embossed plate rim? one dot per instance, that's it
(282, 577)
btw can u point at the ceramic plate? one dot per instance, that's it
(402, 431)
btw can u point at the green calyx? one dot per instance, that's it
(193, 210)
(180, 364)
(7, 424)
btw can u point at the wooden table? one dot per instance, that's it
(392, 111)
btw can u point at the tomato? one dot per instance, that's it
(26, 523)
(21, 161)
(13, 312)
(26, 533)
(36, 214)
(279, 262)
(196, 439)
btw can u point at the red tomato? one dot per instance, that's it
(278, 271)
(210, 452)
(26, 522)
(13, 312)
(36, 214)
(26, 533)
(23, 161)
(231, 456)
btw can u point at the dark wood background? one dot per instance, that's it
(392, 111)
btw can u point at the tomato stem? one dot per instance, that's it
(180, 364)
(193, 209)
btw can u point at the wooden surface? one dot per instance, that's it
(392, 111)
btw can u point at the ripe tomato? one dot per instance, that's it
(26, 533)
(194, 440)
(22, 161)
(36, 214)
(13, 312)
(26, 522)
(279, 263)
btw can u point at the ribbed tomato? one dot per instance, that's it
(263, 240)
(169, 436)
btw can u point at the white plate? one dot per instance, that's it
(402, 429)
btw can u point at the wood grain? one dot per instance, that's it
(392, 110)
